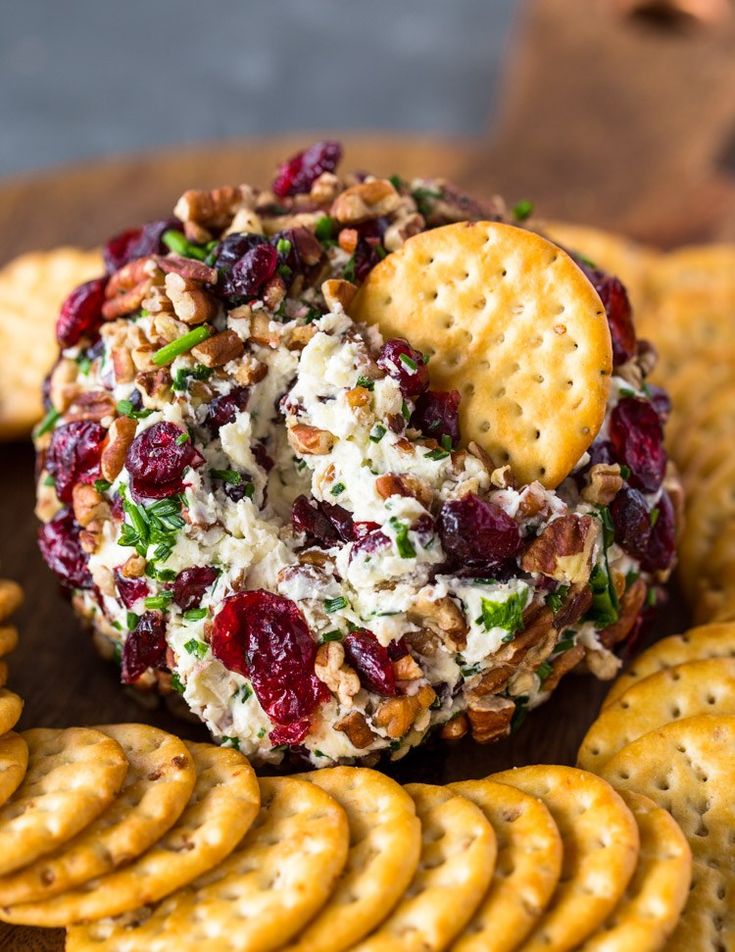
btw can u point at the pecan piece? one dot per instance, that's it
(443, 617)
(564, 549)
(62, 384)
(356, 728)
(264, 331)
(330, 668)
(630, 605)
(366, 200)
(219, 350)
(455, 729)
(122, 364)
(396, 715)
(562, 665)
(120, 436)
(91, 405)
(133, 567)
(605, 482)
(393, 484)
(310, 440)
(213, 209)
(191, 303)
(489, 717)
(577, 602)
(338, 293)
(89, 505)
(539, 631)
(187, 268)
(492, 681)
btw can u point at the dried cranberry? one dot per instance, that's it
(371, 661)
(260, 454)
(300, 172)
(662, 544)
(81, 312)
(61, 549)
(245, 262)
(478, 534)
(660, 400)
(145, 647)
(637, 439)
(322, 523)
(619, 313)
(156, 461)
(437, 414)
(397, 649)
(264, 636)
(130, 589)
(298, 250)
(361, 529)
(406, 365)
(424, 529)
(632, 521)
(74, 455)
(137, 243)
(369, 543)
(224, 409)
(191, 584)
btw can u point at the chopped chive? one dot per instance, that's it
(176, 683)
(334, 635)
(49, 480)
(227, 476)
(405, 411)
(102, 485)
(243, 693)
(179, 244)
(132, 620)
(283, 246)
(437, 454)
(544, 670)
(396, 181)
(625, 471)
(651, 598)
(325, 228)
(84, 364)
(522, 210)
(162, 600)
(348, 272)
(195, 614)
(195, 647)
(335, 604)
(655, 513)
(408, 362)
(233, 742)
(446, 442)
(403, 543)
(337, 489)
(631, 577)
(365, 382)
(165, 575)
(48, 423)
(182, 438)
(126, 408)
(377, 433)
(627, 392)
(181, 346)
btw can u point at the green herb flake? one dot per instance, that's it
(555, 599)
(178, 243)
(326, 228)
(243, 693)
(631, 577)
(507, 614)
(403, 543)
(568, 641)
(177, 684)
(49, 480)
(408, 362)
(47, 424)
(183, 345)
(131, 620)
(405, 411)
(283, 246)
(377, 433)
(102, 485)
(84, 364)
(335, 604)
(655, 513)
(396, 181)
(651, 598)
(160, 601)
(604, 609)
(523, 210)
(196, 614)
(234, 742)
(424, 198)
(520, 714)
(365, 382)
(544, 670)
(437, 454)
(337, 489)
(446, 442)
(181, 378)
(349, 270)
(470, 671)
(261, 733)
(334, 635)
(195, 647)
(182, 438)
(230, 476)
(126, 408)
(625, 472)
(627, 392)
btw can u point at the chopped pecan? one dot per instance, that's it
(103, 579)
(564, 549)
(395, 484)
(155, 383)
(63, 386)
(602, 663)
(273, 292)
(489, 717)
(330, 668)
(246, 220)
(630, 606)
(371, 199)
(133, 567)
(264, 331)
(406, 669)
(577, 602)
(605, 482)
(562, 665)
(122, 364)
(325, 188)
(191, 303)
(313, 557)
(214, 209)
(308, 247)
(396, 715)
(89, 505)
(443, 617)
(126, 303)
(310, 440)
(533, 500)
(338, 293)
(120, 436)
(492, 681)
(188, 268)
(425, 641)
(90, 538)
(347, 240)
(130, 276)
(502, 477)
(358, 397)
(219, 350)
(406, 223)
(356, 728)
(250, 370)
(455, 728)
(91, 405)
(539, 631)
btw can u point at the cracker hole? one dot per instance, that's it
(484, 426)
(480, 303)
(500, 393)
(469, 389)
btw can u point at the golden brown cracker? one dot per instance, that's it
(526, 872)
(11, 707)
(8, 639)
(601, 843)
(13, 764)
(513, 324)
(32, 289)
(688, 768)
(11, 598)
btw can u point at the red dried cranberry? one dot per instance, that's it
(662, 544)
(130, 589)
(260, 454)
(660, 401)
(224, 409)
(397, 649)
(361, 529)
(478, 534)
(264, 637)
(405, 365)
(322, 523)
(137, 243)
(156, 461)
(619, 313)
(74, 455)
(81, 312)
(424, 529)
(437, 414)
(144, 648)
(371, 661)
(59, 543)
(637, 439)
(191, 584)
(631, 520)
(369, 543)
(245, 262)
(300, 172)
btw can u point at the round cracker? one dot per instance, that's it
(526, 872)
(11, 707)
(157, 787)
(695, 687)
(385, 843)
(3, 673)
(688, 768)
(601, 843)
(13, 764)
(11, 598)
(696, 644)
(8, 639)
(32, 289)
(224, 803)
(648, 912)
(72, 776)
(692, 266)
(458, 853)
(264, 892)
(513, 324)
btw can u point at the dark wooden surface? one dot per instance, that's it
(586, 131)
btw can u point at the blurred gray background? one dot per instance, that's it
(85, 78)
